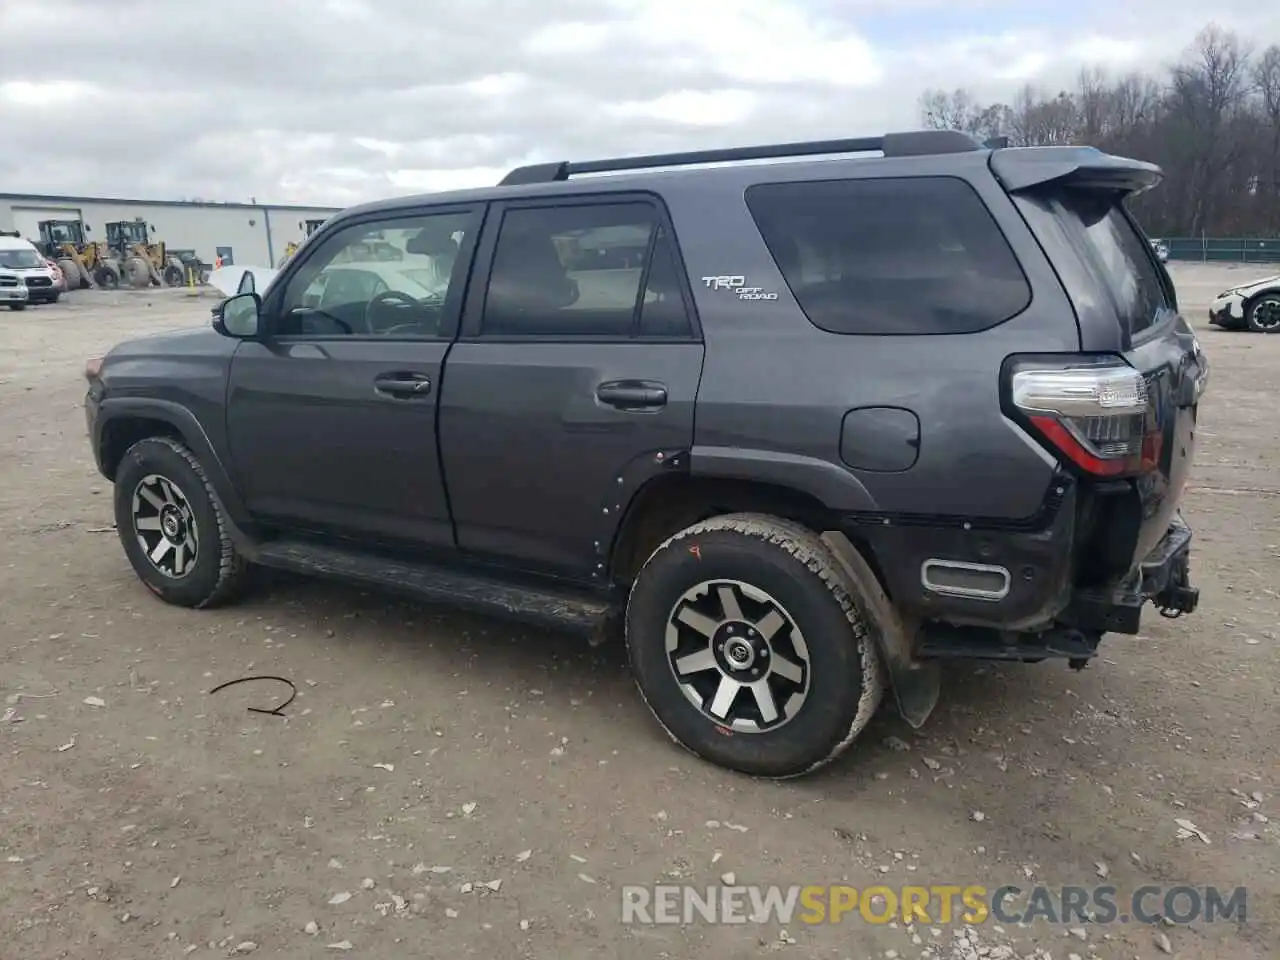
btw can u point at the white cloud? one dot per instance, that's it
(695, 108)
(338, 101)
(43, 94)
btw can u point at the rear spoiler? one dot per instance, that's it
(1024, 168)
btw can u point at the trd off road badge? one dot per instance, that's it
(738, 285)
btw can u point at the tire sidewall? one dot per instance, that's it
(1252, 322)
(157, 456)
(835, 647)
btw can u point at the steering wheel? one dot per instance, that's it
(392, 298)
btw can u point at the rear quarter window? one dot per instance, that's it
(901, 255)
(1120, 255)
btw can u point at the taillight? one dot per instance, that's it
(1093, 412)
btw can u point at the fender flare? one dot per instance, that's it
(831, 485)
(916, 684)
(193, 435)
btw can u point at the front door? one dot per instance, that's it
(575, 375)
(331, 417)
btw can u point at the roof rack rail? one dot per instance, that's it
(913, 143)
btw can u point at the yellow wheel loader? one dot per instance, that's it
(308, 227)
(83, 263)
(141, 262)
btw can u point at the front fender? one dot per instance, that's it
(115, 419)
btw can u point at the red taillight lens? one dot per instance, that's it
(1096, 415)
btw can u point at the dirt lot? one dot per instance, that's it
(429, 754)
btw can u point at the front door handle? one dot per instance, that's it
(633, 394)
(403, 385)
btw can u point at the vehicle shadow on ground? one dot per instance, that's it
(975, 695)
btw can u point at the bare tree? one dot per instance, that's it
(1212, 121)
(1266, 81)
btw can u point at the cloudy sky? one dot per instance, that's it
(337, 101)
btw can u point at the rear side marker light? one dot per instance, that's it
(1097, 416)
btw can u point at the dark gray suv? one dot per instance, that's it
(799, 430)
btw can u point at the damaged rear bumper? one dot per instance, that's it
(1163, 578)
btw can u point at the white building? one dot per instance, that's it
(250, 234)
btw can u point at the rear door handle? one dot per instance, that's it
(403, 385)
(632, 394)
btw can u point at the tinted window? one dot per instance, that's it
(918, 255)
(1120, 254)
(569, 271)
(663, 313)
(388, 278)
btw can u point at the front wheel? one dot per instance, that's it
(172, 526)
(107, 277)
(1264, 314)
(747, 646)
(17, 306)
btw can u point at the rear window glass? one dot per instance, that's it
(903, 255)
(1119, 253)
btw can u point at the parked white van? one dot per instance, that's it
(18, 256)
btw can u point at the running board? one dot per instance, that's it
(553, 606)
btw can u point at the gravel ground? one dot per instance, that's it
(448, 786)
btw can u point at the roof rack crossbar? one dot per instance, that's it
(913, 143)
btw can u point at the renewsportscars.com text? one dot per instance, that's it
(939, 903)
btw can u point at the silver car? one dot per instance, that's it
(13, 290)
(19, 257)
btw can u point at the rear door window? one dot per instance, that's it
(903, 255)
(595, 270)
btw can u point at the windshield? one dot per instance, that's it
(18, 259)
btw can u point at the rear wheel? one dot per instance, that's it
(172, 526)
(1264, 314)
(748, 648)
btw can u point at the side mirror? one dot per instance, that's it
(239, 316)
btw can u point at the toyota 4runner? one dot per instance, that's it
(799, 431)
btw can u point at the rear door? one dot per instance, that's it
(572, 383)
(1127, 304)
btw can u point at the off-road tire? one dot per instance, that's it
(108, 278)
(219, 574)
(1252, 319)
(791, 563)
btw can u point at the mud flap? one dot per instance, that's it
(915, 683)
